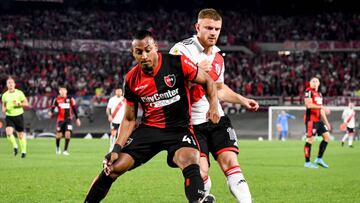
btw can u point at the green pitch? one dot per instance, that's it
(274, 171)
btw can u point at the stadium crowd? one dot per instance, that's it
(238, 28)
(267, 74)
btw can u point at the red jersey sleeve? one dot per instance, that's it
(189, 68)
(130, 97)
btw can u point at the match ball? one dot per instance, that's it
(260, 139)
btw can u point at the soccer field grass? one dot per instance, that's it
(274, 171)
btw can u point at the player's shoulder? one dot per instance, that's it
(183, 47)
(132, 72)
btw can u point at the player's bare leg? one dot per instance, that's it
(67, 141)
(187, 159)
(10, 136)
(102, 183)
(57, 139)
(322, 148)
(238, 186)
(204, 171)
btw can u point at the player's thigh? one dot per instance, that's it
(200, 132)
(182, 147)
(19, 123)
(122, 164)
(10, 125)
(143, 144)
(222, 138)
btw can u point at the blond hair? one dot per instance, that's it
(209, 13)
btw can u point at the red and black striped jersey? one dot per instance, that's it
(313, 114)
(66, 107)
(164, 94)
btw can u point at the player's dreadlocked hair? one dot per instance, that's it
(209, 13)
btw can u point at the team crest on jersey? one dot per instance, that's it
(170, 80)
(217, 68)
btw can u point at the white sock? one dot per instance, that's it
(351, 140)
(112, 142)
(238, 185)
(345, 136)
(207, 185)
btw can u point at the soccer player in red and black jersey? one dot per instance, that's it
(159, 83)
(316, 123)
(66, 109)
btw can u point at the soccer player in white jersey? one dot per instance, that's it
(218, 139)
(348, 116)
(115, 112)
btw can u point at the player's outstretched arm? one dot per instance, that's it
(228, 95)
(210, 87)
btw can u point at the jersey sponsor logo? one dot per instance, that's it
(165, 102)
(141, 87)
(188, 41)
(159, 96)
(170, 80)
(64, 105)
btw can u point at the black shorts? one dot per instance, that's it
(114, 126)
(145, 142)
(17, 122)
(216, 138)
(349, 130)
(315, 128)
(63, 126)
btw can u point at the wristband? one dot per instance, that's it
(117, 148)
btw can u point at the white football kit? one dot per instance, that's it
(192, 48)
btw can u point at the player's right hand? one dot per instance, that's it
(49, 114)
(110, 158)
(205, 65)
(213, 115)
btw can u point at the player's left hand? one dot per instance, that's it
(110, 158)
(78, 122)
(253, 105)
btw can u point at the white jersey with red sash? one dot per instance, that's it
(192, 48)
(117, 108)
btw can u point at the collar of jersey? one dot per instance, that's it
(198, 45)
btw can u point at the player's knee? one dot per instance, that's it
(326, 137)
(67, 134)
(227, 159)
(186, 157)
(9, 130)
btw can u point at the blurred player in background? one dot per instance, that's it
(13, 103)
(219, 139)
(282, 124)
(348, 116)
(66, 109)
(115, 112)
(159, 83)
(316, 123)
